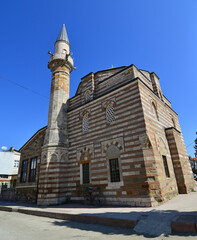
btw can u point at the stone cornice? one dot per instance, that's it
(55, 63)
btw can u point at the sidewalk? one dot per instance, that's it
(177, 215)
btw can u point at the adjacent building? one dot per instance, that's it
(9, 163)
(118, 133)
(193, 162)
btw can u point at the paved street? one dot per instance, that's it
(154, 221)
(16, 226)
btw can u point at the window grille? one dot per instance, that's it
(32, 173)
(114, 170)
(86, 173)
(110, 114)
(24, 171)
(16, 163)
(166, 166)
(85, 123)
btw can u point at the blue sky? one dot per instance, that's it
(158, 36)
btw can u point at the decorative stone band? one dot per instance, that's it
(84, 153)
(111, 102)
(53, 64)
(83, 113)
(54, 154)
(118, 142)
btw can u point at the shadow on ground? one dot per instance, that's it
(151, 224)
(94, 227)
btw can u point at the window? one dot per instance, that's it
(114, 170)
(86, 173)
(24, 171)
(110, 114)
(166, 166)
(87, 96)
(3, 176)
(16, 163)
(32, 172)
(85, 123)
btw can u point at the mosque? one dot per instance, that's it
(118, 134)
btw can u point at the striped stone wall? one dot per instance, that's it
(182, 167)
(162, 187)
(52, 180)
(124, 133)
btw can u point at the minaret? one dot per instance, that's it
(61, 64)
(51, 190)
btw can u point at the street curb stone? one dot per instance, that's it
(183, 227)
(114, 222)
(177, 225)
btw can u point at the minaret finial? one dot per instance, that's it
(63, 35)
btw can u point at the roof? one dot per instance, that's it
(39, 131)
(193, 159)
(63, 35)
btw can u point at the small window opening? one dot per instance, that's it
(114, 170)
(166, 166)
(86, 173)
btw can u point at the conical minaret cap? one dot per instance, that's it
(63, 35)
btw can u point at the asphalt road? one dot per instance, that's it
(16, 226)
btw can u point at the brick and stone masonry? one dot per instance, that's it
(118, 114)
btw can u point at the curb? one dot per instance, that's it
(184, 223)
(7, 209)
(114, 222)
(177, 225)
(183, 227)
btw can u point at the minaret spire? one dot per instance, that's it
(63, 36)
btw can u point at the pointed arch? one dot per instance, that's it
(87, 96)
(53, 158)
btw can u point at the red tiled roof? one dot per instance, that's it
(193, 159)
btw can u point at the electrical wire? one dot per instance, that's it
(21, 86)
(190, 144)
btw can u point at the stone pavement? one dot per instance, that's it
(177, 215)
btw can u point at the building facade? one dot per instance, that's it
(118, 133)
(9, 163)
(193, 162)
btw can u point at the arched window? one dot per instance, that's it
(110, 114)
(154, 109)
(85, 123)
(87, 96)
(85, 166)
